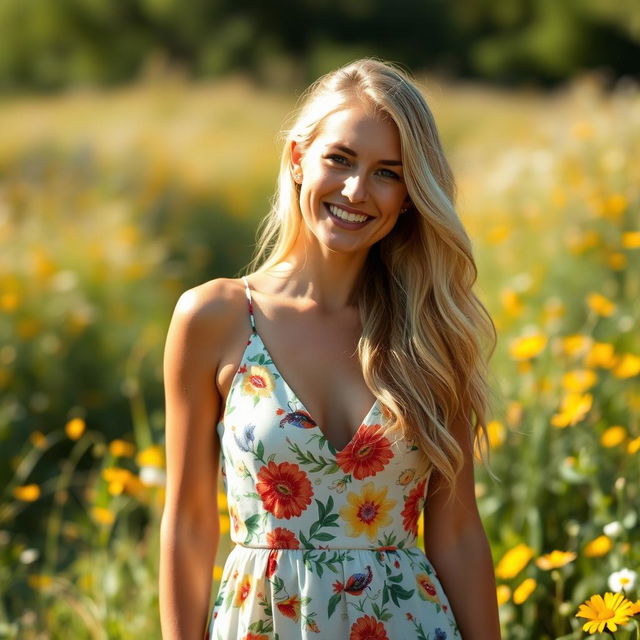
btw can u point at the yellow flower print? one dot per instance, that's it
(426, 589)
(257, 381)
(367, 511)
(243, 589)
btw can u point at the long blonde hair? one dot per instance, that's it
(423, 329)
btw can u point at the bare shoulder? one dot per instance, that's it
(215, 301)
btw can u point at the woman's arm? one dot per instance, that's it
(190, 529)
(457, 546)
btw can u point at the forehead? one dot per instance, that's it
(361, 130)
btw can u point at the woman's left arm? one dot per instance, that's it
(457, 546)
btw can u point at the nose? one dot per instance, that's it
(355, 188)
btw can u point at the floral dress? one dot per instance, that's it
(324, 538)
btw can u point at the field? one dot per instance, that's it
(112, 204)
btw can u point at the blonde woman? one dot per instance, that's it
(340, 386)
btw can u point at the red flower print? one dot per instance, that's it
(366, 454)
(368, 628)
(285, 489)
(281, 538)
(272, 563)
(290, 608)
(255, 636)
(338, 586)
(413, 508)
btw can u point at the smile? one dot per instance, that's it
(346, 215)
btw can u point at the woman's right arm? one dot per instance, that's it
(189, 530)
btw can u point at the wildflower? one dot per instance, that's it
(514, 561)
(601, 305)
(555, 559)
(623, 580)
(600, 546)
(153, 477)
(605, 613)
(617, 261)
(631, 240)
(573, 409)
(524, 590)
(613, 436)
(38, 439)
(496, 433)
(503, 593)
(579, 380)
(39, 581)
(633, 446)
(627, 366)
(121, 449)
(151, 457)
(102, 515)
(75, 428)
(613, 529)
(576, 344)
(217, 572)
(601, 355)
(527, 347)
(27, 492)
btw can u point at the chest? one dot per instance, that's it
(318, 362)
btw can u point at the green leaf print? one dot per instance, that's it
(399, 593)
(261, 626)
(317, 464)
(252, 527)
(333, 603)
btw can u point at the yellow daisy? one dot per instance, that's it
(257, 381)
(367, 511)
(555, 559)
(514, 561)
(605, 613)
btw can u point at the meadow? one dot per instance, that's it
(113, 203)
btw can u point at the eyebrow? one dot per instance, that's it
(351, 152)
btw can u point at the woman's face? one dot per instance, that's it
(352, 185)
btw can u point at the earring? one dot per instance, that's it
(297, 176)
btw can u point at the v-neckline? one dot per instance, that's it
(294, 396)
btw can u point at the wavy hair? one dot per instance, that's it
(426, 337)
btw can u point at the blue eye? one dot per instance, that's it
(336, 157)
(390, 174)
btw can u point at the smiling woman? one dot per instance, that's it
(361, 413)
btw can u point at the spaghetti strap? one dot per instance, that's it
(250, 302)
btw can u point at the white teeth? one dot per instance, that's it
(345, 215)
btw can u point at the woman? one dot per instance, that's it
(361, 289)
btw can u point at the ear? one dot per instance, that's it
(296, 157)
(406, 205)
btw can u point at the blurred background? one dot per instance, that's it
(138, 152)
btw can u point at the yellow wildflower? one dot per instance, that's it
(38, 439)
(39, 581)
(576, 344)
(103, 515)
(601, 305)
(511, 302)
(524, 590)
(27, 492)
(573, 409)
(75, 428)
(514, 561)
(614, 205)
(599, 546)
(579, 380)
(152, 456)
(601, 355)
(496, 433)
(613, 436)
(627, 367)
(633, 446)
(498, 234)
(121, 448)
(555, 559)
(217, 572)
(527, 347)
(617, 261)
(605, 613)
(503, 593)
(631, 240)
